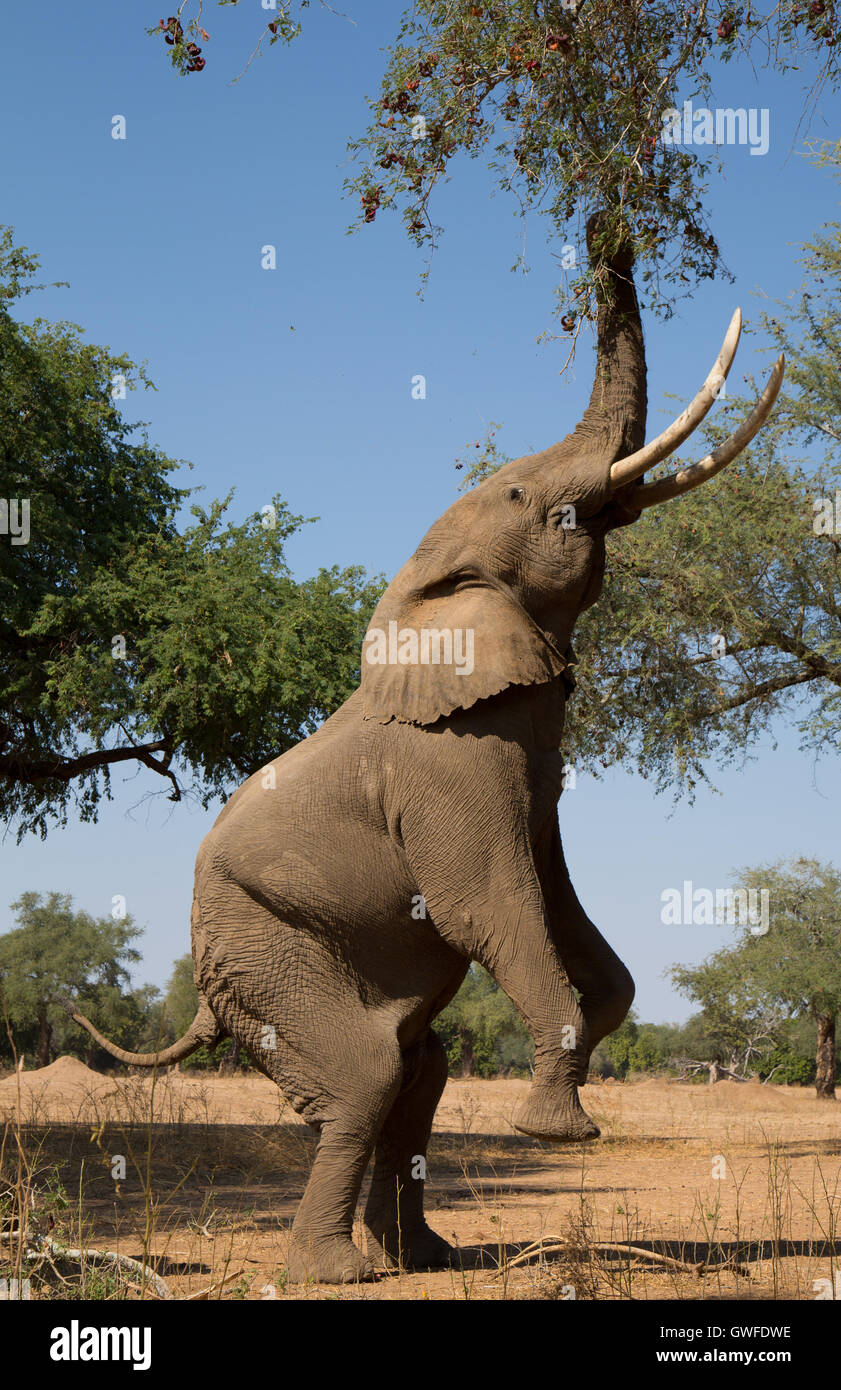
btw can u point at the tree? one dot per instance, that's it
(738, 1029)
(182, 998)
(54, 952)
(618, 1045)
(481, 1029)
(179, 1009)
(647, 1054)
(574, 105)
(122, 638)
(717, 621)
(750, 991)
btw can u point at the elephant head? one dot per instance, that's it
(492, 593)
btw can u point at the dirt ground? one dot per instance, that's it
(726, 1191)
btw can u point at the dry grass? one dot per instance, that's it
(741, 1184)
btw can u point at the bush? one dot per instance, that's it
(482, 1032)
(787, 1067)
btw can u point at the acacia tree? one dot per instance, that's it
(123, 638)
(739, 1025)
(568, 102)
(792, 971)
(54, 951)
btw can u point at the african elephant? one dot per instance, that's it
(345, 888)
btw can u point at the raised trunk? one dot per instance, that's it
(614, 421)
(613, 425)
(45, 1038)
(825, 1057)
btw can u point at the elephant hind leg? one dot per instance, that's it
(362, 1092)
(395, 1227)
(288, 997)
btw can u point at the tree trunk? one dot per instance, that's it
(468, 1061)
(45, 1038)
(825, 1059)
(716, 1072)
(231, 1062)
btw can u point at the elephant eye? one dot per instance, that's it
(516, 494)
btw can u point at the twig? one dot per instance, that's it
(204, 1294)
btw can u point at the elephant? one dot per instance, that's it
(346, 887)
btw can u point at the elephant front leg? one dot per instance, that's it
(540, 988)
(484, 896)
(396, 1231)
(604, 983)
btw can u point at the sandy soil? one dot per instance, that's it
(708, 1176)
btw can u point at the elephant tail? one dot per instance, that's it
(203, 1031)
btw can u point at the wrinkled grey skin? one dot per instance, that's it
(427, 783)
(303, 920)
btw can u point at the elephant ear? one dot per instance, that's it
(432, 651)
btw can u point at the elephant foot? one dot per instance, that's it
(334, 1260)
(418, 1249)
(545, 1114)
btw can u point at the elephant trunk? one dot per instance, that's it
(611, 433)
(614, 422)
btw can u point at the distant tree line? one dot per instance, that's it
(768, 1004)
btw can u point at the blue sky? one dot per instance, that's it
(298, 381)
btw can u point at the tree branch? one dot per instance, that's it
(769, 687)
(18, 768)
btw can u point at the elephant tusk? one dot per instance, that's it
(627, 469)
(649, 494)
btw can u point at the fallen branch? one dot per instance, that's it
(45, 1248)
(557, 1247)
